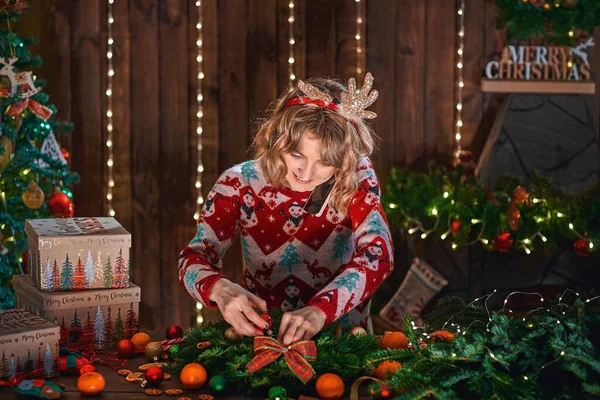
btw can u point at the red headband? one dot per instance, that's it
(318, 103)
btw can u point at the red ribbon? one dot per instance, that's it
(297, 356)
(39, 110)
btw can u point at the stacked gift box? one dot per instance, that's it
(28, 343)
(79, 280)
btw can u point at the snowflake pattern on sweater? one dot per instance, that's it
(293, 259)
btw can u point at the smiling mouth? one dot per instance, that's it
(301, 180)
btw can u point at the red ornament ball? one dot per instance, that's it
(65, 153)
(267, 318)
(126, 348)
(174, 332)
(503, 242)
(154, 375)
(60, 205)
(455, 226)
(581, 247)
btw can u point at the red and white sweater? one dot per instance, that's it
(293, 258)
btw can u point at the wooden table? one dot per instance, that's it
(116, 386)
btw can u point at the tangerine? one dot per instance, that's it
(140, 340)
(386, 368)
(91, 383)
(394, 340)
(193, 376)
(330, 386)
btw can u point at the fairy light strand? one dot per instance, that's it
(460, 79)
(109, 111)
(199, 130)
(291, 42)
(359, 39)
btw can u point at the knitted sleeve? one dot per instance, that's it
(201, 261)
(372, 259)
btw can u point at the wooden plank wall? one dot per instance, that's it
(410, 51)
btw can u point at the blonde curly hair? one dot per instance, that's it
(342, 143)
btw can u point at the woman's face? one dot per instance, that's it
(305, 169)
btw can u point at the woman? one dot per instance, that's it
(315, 238)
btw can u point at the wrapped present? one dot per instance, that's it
(28, 343)
(94, 319)
(78, 253)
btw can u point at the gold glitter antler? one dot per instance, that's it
(355, 102)
(313, 93)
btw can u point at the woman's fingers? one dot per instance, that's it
(254, 318)
(288, 337)
(285, 322)
(258, 302)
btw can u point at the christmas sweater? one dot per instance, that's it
(293, 259)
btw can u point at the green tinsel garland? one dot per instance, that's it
(553, 352)
(432, 204)
(525, 21)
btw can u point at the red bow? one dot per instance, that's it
(39, 110)
(297, 356)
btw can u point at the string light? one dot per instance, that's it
(292, 42)
(199, 130)
(359, 39)
(109, 114)
(460, 80)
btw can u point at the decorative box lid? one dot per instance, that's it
(17, 321)
(50, 301)
(72, 233)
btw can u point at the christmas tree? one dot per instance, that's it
(99, 328)
(119, 327)
(33, 169)
(29, 363)
(131, 322)
(89, 269)
(108, 279)
(66, 276)
(88, 333)
(109, 331)
(99, 270)
(290, 257)
(55, 276)
(49, 361)
(120, 277)
(79, 276)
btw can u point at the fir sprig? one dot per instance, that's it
(553, 25)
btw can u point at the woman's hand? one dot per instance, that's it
(236, 305)
(301, 324)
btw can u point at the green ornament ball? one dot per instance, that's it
(218, 383)
(277, 392)
(173, 351)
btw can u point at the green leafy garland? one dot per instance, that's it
(456, 207)
(343, 356)
(554, 21)
(548, 353)
(551, 355)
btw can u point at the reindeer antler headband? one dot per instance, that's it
(354, 102)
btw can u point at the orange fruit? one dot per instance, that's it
(193, 376)
(91, 383)
(330, 386)
(394, 340)
(386, 368)
(442, 336)
(140, 340)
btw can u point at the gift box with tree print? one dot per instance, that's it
(94, 319)
(27, 343)
(78, 253)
